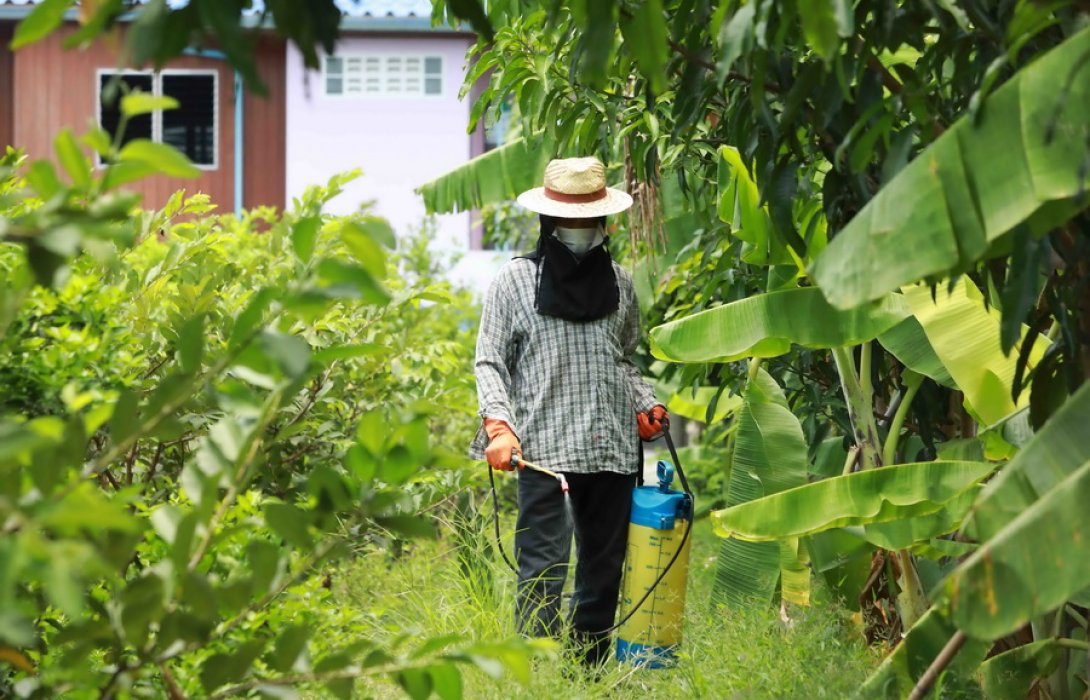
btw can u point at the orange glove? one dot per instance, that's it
(502, 442)
(650, 423)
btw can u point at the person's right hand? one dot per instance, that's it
(501, 445)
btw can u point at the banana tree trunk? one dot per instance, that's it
(860, 400)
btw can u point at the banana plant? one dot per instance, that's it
(1019, 160)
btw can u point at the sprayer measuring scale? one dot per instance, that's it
(652, 592)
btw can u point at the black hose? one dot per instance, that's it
(681, 546)
(496, 519)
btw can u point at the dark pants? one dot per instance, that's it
(600, 507)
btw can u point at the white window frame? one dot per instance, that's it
(157, 115)
(383, 94)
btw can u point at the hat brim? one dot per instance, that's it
(614, 202)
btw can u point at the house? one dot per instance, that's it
(385, 102)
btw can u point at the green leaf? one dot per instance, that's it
(496, 176)
(941, 212)
(138, 103)
(142, 602)
(1014, 674)
(290, 352)
(165, 159)
(896, 676)
(902, 534)
(264, 560)
(122, 173)
(1027, 568)
(644, 33)
(191, 344)
(289, 645)
(43, 179)
(42, 21)
(397, 466)
(820, 26)
(304, 233)
(408, 525)
(908, 343)
(289, 522)
(861, 498)
(220, 669)
(739, 205)
(769, 456)
(964, 334)
(735, 37)
(364, 249)
(1051, 456)
(473, 12)
(694, 404)
(416, 682)
(250, 317)
(766, 326)
(72, 158)
(85, 508)
(346, 280)
(446, 681)
(18, 440)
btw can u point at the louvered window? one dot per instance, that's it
(374, 75)
(191, 127)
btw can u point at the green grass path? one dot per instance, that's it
(725, 654)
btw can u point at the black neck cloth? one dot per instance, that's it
(569, 287)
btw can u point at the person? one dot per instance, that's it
(556, 386)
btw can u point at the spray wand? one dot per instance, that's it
(516, 460)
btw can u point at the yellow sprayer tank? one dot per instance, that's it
(660, 520)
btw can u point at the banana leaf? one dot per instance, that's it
(908, 343)
(902, 534)
(862, 498)
(769, 456)
(1020, 160)
(897, 674)
(496, 176)
(694, 404)
(964, 335)
(766, 326)
(1031, 566)
(1012, 674)
(1059, 448)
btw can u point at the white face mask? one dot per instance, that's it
(579, 240)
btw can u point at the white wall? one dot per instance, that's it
(398, 143)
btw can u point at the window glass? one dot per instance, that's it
(111, 88)
(191, 128)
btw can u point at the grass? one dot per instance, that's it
(726, 653)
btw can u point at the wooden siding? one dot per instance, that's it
(56, 88)
(265, 138)
(7, 115)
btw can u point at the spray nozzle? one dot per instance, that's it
(517, 460)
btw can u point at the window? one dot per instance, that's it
(191, 127)
(372, 75)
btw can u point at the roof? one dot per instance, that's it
(351, 8)
(380, 15)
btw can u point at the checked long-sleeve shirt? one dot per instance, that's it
(568, 390)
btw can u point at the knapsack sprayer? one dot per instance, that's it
(656, 563)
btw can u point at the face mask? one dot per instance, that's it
(579, 240)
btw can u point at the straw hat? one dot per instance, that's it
(575, 188)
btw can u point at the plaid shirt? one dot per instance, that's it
(569, 390)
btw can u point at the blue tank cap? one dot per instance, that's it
(665, 472)
(660, 506)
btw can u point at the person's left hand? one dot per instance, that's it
(651, 424)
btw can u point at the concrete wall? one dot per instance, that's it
(398, 143)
